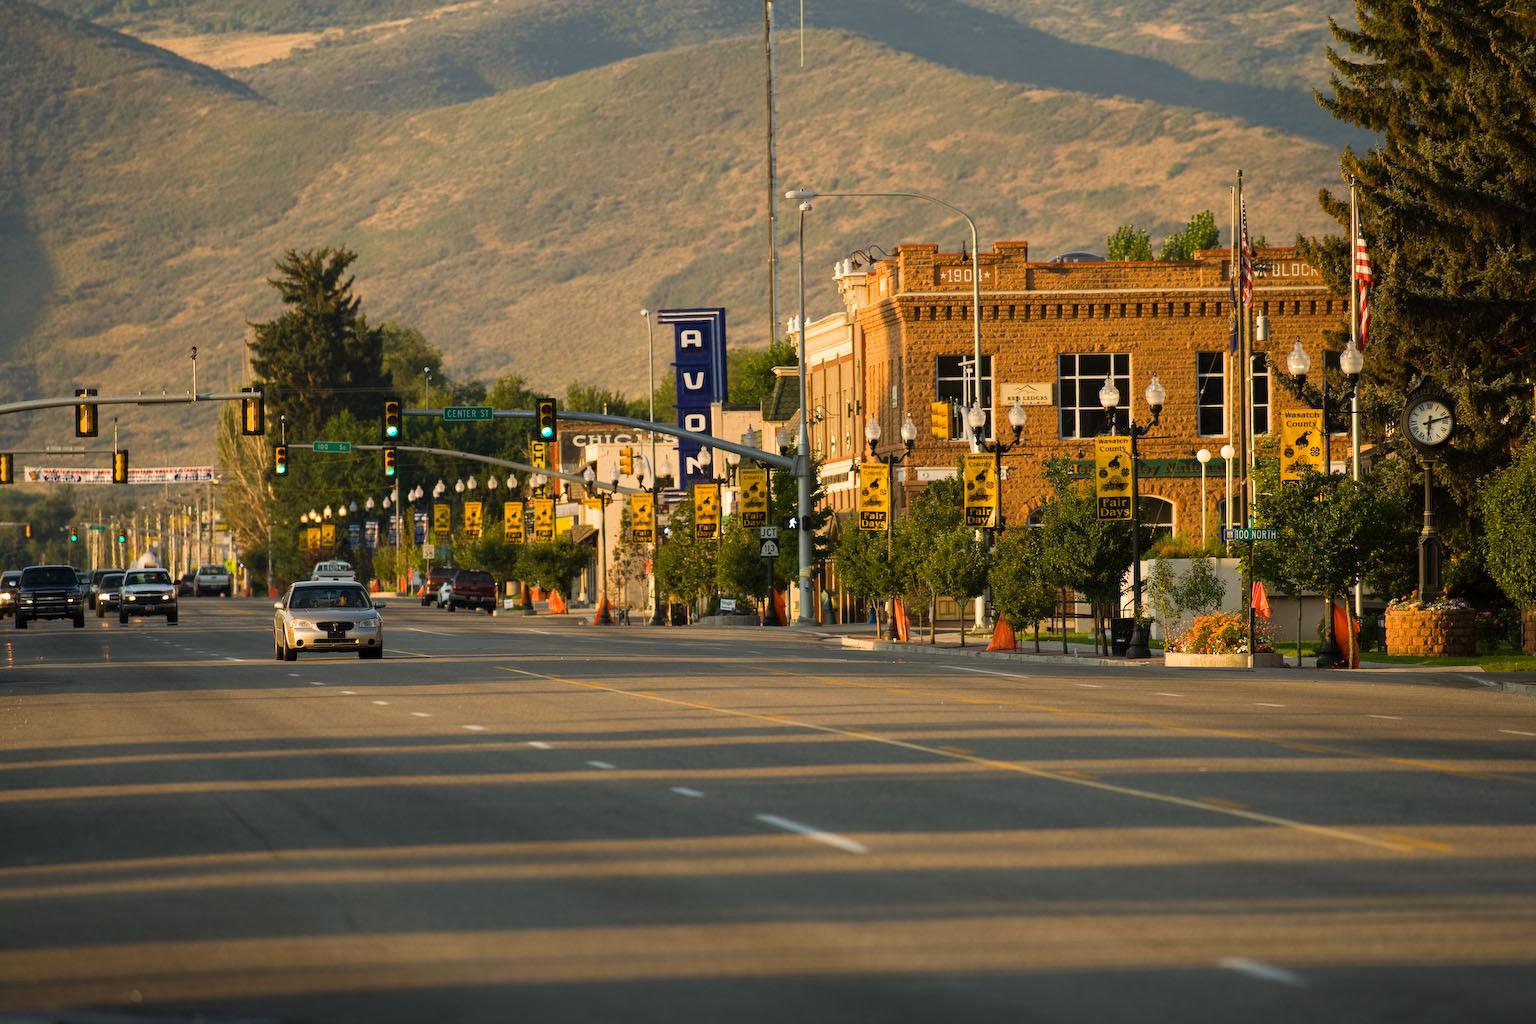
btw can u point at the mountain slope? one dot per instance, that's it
(522, 231)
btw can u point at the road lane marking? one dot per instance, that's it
(685, 791)
(433, 632)
(1518, 732)
(1090, 686)
(538, 744)
(1263, 971)
(295, 675)
(350, 693)
(1396, 846)
(420, 714)
(1164, 693)
(829, 838)
(990, 672)
(382, 703)
(1387, 718)
(475, 728)
(604, 765)
(228, 658)
(313, 683)
(1261, 704)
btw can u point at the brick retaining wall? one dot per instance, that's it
(1450, 631)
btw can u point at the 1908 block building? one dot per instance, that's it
(1051, 333)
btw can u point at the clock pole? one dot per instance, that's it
(1429, 540)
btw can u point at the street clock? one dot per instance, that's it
(1429, 418)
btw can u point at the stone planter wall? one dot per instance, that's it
(1264, 659)
(1432, 633)
(1528, 632)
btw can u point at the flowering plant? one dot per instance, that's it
(1414, 603)
(1221, 633)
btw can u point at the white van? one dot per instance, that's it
(332, 571)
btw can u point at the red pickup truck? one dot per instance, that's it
(436, 577)
(471, 588)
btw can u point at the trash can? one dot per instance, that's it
(1120, 636)
(679, 614)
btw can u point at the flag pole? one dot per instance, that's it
(1245, 396)
(1354, 339)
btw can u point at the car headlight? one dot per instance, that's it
(303, 624)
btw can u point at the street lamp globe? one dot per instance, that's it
(975, 416)
(704, 456)
(352, 506)
(1016, 417)
(908, 430)
(733, 459)
(458, 487)
(511, 482)
(1109, 396)
(387, 501)
(1204, 455)
(1156, 395)
(872, 431)
(368, 505)
(490, 483)
(588, 476)
(1227, 451)
(1351, 361)
(438, 489)
(327, 512)
(472, 484)
(1298, 362)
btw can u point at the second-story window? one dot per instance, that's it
(1211, 393)
(952, 377)
(1078, 380)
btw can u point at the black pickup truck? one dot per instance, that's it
(49, 592)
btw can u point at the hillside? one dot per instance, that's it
(146, 199)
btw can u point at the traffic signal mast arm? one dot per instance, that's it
(774, 459)
(487, 459)
(183, 399)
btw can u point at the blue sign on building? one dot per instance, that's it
(699, 359)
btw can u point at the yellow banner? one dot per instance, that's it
(474, 519)
(512, 522)
(706, 511)
(874, 496)
(754, 496)
(642, 518)
(442, 520)
(539, 455)
(543, 518)
(1112, 476)
(328, 535)
(312, 539)
(1301, 442)
(595, 504)
(980, 490)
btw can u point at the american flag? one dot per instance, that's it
(1363, 282)
(1246, 258)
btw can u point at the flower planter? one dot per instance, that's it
(1264, 659)
(1421, 632)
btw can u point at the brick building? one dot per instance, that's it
(1050, 333)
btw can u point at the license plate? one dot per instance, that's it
(335, 634)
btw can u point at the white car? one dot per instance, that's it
(316, 615)
(147, 592)
(334, 571)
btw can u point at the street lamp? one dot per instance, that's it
(438, 489)
(1204, 456)
(1109, 398)
(1227, 453)
(458, 487)
(472, 484)
(803, 458)
(589, 477)
(872, 434)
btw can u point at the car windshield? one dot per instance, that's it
(329, 597)
(147, 576)
(49, 576)
(474, 577)
(112, 579)
(212, 570)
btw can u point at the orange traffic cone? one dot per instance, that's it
(1003, 638)
(601, 617)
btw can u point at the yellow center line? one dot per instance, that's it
(1069, 778)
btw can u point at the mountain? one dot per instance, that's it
(520, 177)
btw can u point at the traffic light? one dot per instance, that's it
(546, 419)
(7, 468)
(122, 537)
(389, 463)
(939, 421)
(391, 420)
(253, 413)
(85, 413)
(280, 459)
(74, 535)
(120, 466)
(26, 530)
(626, 461)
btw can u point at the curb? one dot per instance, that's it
(926, 651)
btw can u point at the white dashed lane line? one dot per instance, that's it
(1517, 732)
(538, 744)
(1261, 704)
(1162, 693)
(685, 791)
(818, 835)
(475, 728)
(382, 703)
(1387, 718)
(1263, 972)
(420, 714)
(604, 765)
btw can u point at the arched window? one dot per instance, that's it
(1157, 516)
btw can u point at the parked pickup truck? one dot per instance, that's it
(212, 579)
(470, 588)
(436, 577)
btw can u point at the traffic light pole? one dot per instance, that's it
(487, 459)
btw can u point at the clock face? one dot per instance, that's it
(1430, 421)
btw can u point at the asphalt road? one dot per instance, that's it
(520, 818)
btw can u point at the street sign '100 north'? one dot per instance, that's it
(463, 413)
(341, 447)
(1250, 533)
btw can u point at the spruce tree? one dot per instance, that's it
(1448, 207)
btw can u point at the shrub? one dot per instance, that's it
(1221, 633)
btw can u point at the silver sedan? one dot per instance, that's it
(327, 616)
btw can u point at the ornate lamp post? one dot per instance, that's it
(589, 477)
(1228, 453)
(1109, 398)
(908, 439)
(1204, 456)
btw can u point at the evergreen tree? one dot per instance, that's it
(320, 355)
(1448, 207)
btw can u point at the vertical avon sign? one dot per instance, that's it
(699, 359)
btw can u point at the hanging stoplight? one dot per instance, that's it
(280, 459)
(85, 413)
(7, 468)
(26, 530)
(391, 419)
(253, 413)
(120, 466)
(389, 463)
(122, 537)
(74, 535)
(546, 419)
(939, 420)
(626, 461)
